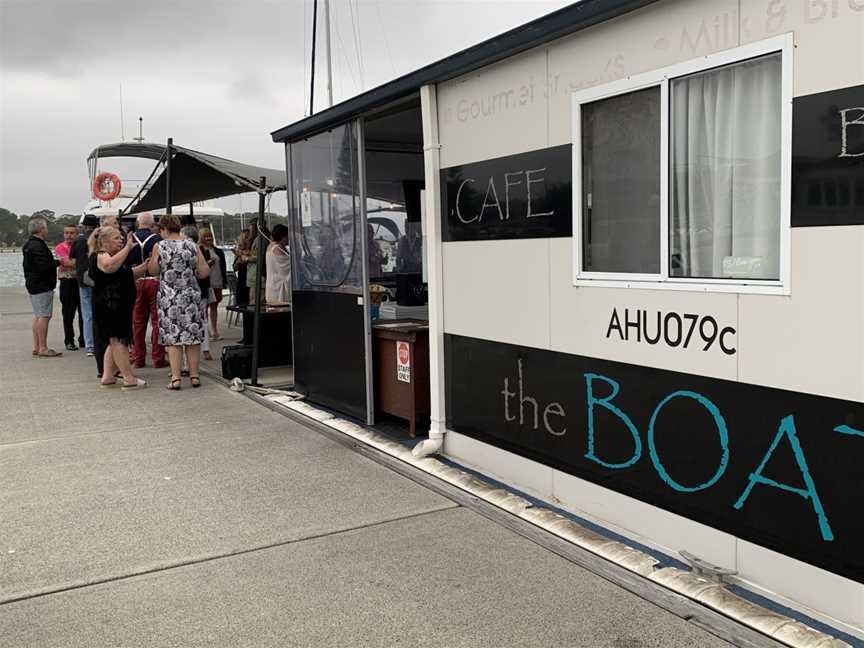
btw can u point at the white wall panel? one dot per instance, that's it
(642, 522)
(528, 476)
(521, 292)
(498, 290)
(829, 38)
(658, 35)
(581, 317)
(811, 340)
(498, 111)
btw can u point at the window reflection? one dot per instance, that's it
(325, 214)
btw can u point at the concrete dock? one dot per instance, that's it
(201, 518)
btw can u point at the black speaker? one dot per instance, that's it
(237, 361)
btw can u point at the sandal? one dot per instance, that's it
(108, 385)
(174, 385)
(139, 384)
(49, 353)
(195, 380)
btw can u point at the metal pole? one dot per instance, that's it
(293, 222)
(312, 80)
(168, 176)
(191, 215)
(259, 260)
(329, 61)
(360, 125)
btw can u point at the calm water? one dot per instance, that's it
(11, 274)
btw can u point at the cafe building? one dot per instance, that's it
(635, 230)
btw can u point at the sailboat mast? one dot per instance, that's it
(329, 61)
(312, 79)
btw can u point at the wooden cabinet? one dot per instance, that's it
(401, 353)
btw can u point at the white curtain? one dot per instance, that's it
(725, 194)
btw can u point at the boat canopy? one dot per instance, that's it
(127, 149)
(195, 176)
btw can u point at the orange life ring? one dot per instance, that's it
(99, 186)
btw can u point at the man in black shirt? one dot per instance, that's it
(40, 277)
(81, 255)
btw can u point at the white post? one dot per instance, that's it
(327, 50)
(432, 163)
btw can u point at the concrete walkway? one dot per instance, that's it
(201, 518)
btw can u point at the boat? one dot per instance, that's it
(201, 213)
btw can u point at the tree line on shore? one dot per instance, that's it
(13, 227)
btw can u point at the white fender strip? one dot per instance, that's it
(709, 593)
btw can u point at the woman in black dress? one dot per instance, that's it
(113, 302)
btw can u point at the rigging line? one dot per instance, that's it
(354, 33)
(360, 44)
(344, 52)
(386, 41)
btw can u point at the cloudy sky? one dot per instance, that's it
(216, 75)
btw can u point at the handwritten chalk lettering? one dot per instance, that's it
(816, 10)
(776, 15)
(551, 409)
(722, 432)
(490, 189)
(674, 329)
(507, 185)
(495, 103)
(712, 34)
(606, 403)
(787, 430)
(529, 182)
(527, 195)
(856, 119)
(813, 11)
(491, 200)
(459, 202)
(773, 467)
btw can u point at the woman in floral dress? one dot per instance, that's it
(179, 264)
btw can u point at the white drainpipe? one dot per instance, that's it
(432, 162)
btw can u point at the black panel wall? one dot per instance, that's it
(329, 352)
(779, 468)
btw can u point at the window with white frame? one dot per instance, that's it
(682, 175)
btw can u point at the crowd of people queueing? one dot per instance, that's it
(165, 273)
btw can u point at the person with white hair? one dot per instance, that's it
(110, 220)
(146, 236)
(40, 278)
(113, 301)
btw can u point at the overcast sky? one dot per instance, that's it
(215, 75)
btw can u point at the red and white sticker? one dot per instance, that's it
(403, 362)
